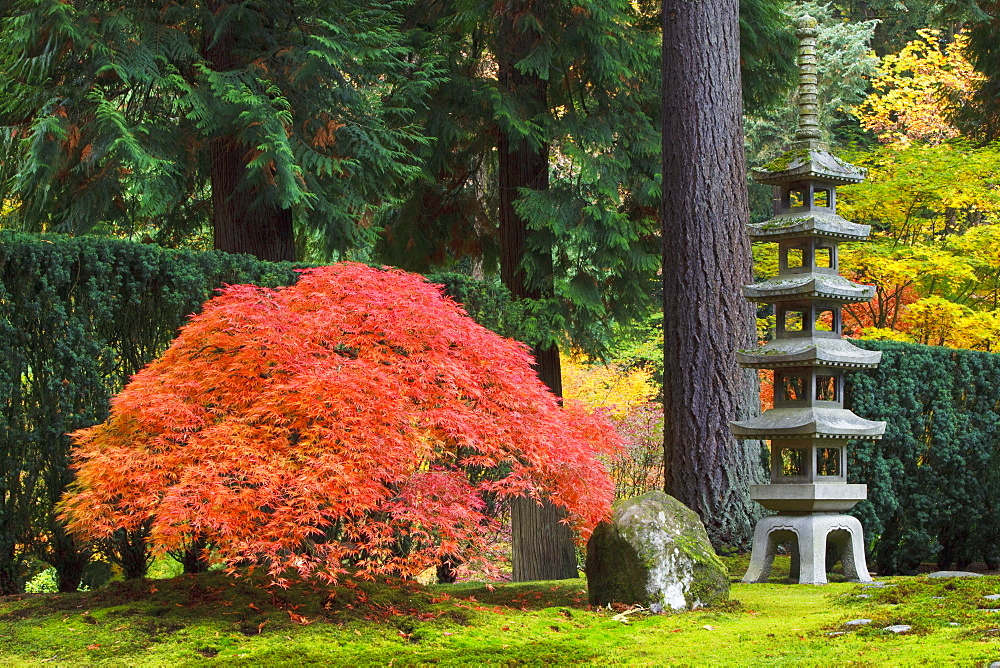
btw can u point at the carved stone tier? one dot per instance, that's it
(814, 285)
(807, 422)
(808, 162)
(808, 224)
(837, 353)
(817, 497)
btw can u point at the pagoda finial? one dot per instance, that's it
(808, 132)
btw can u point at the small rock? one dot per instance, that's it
(995, 664)
(835, 633)
(858, 622)
(863, 596)
(953, 624)
(937, 598)
(898, 628)
(954, 574)
(992, 597)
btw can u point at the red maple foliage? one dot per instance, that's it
(357, 419)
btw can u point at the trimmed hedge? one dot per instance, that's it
(934, 479)
(80, 316)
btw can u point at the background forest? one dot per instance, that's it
(517, 148)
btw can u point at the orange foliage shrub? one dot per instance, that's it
(356, 420)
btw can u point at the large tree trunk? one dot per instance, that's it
(240, 224)
(706, 260)
(542, 545)
(264, 230)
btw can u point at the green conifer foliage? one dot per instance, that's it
(166, 117)
(981, 118)
(591, 242)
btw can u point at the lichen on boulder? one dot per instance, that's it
(654, 552)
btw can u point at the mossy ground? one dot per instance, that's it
(212, 619)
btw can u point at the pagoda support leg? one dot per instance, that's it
(812, 549)
(809, 535)
(767, 536)
(851, 549)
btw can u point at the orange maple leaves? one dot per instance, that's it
(357, 419)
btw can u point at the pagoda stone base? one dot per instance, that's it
(823, 497)
(809, 535)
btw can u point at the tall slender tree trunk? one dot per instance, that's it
(706, 261)
(542, 545)
(242, 222)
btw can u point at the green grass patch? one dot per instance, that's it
(213, 619)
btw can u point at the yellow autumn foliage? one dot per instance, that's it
(916, 89)
(7, 207)
(606, 386)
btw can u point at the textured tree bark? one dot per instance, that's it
(239, 224)
(542, 546)
(706, 260)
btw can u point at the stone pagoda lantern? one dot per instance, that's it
(808, 427)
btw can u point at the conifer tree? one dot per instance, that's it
(582, 92)
(257, 118)
(980, 118)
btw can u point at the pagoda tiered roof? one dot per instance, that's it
(815, 351)
(807, 224)
(808, 160)
(812, 285)
(808, 422)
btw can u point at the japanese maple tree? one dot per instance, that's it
(356, 420)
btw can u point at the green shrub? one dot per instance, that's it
(43, 583)
(934, 479)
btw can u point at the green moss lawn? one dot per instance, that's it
(212, 619)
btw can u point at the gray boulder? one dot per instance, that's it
(654, 552)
